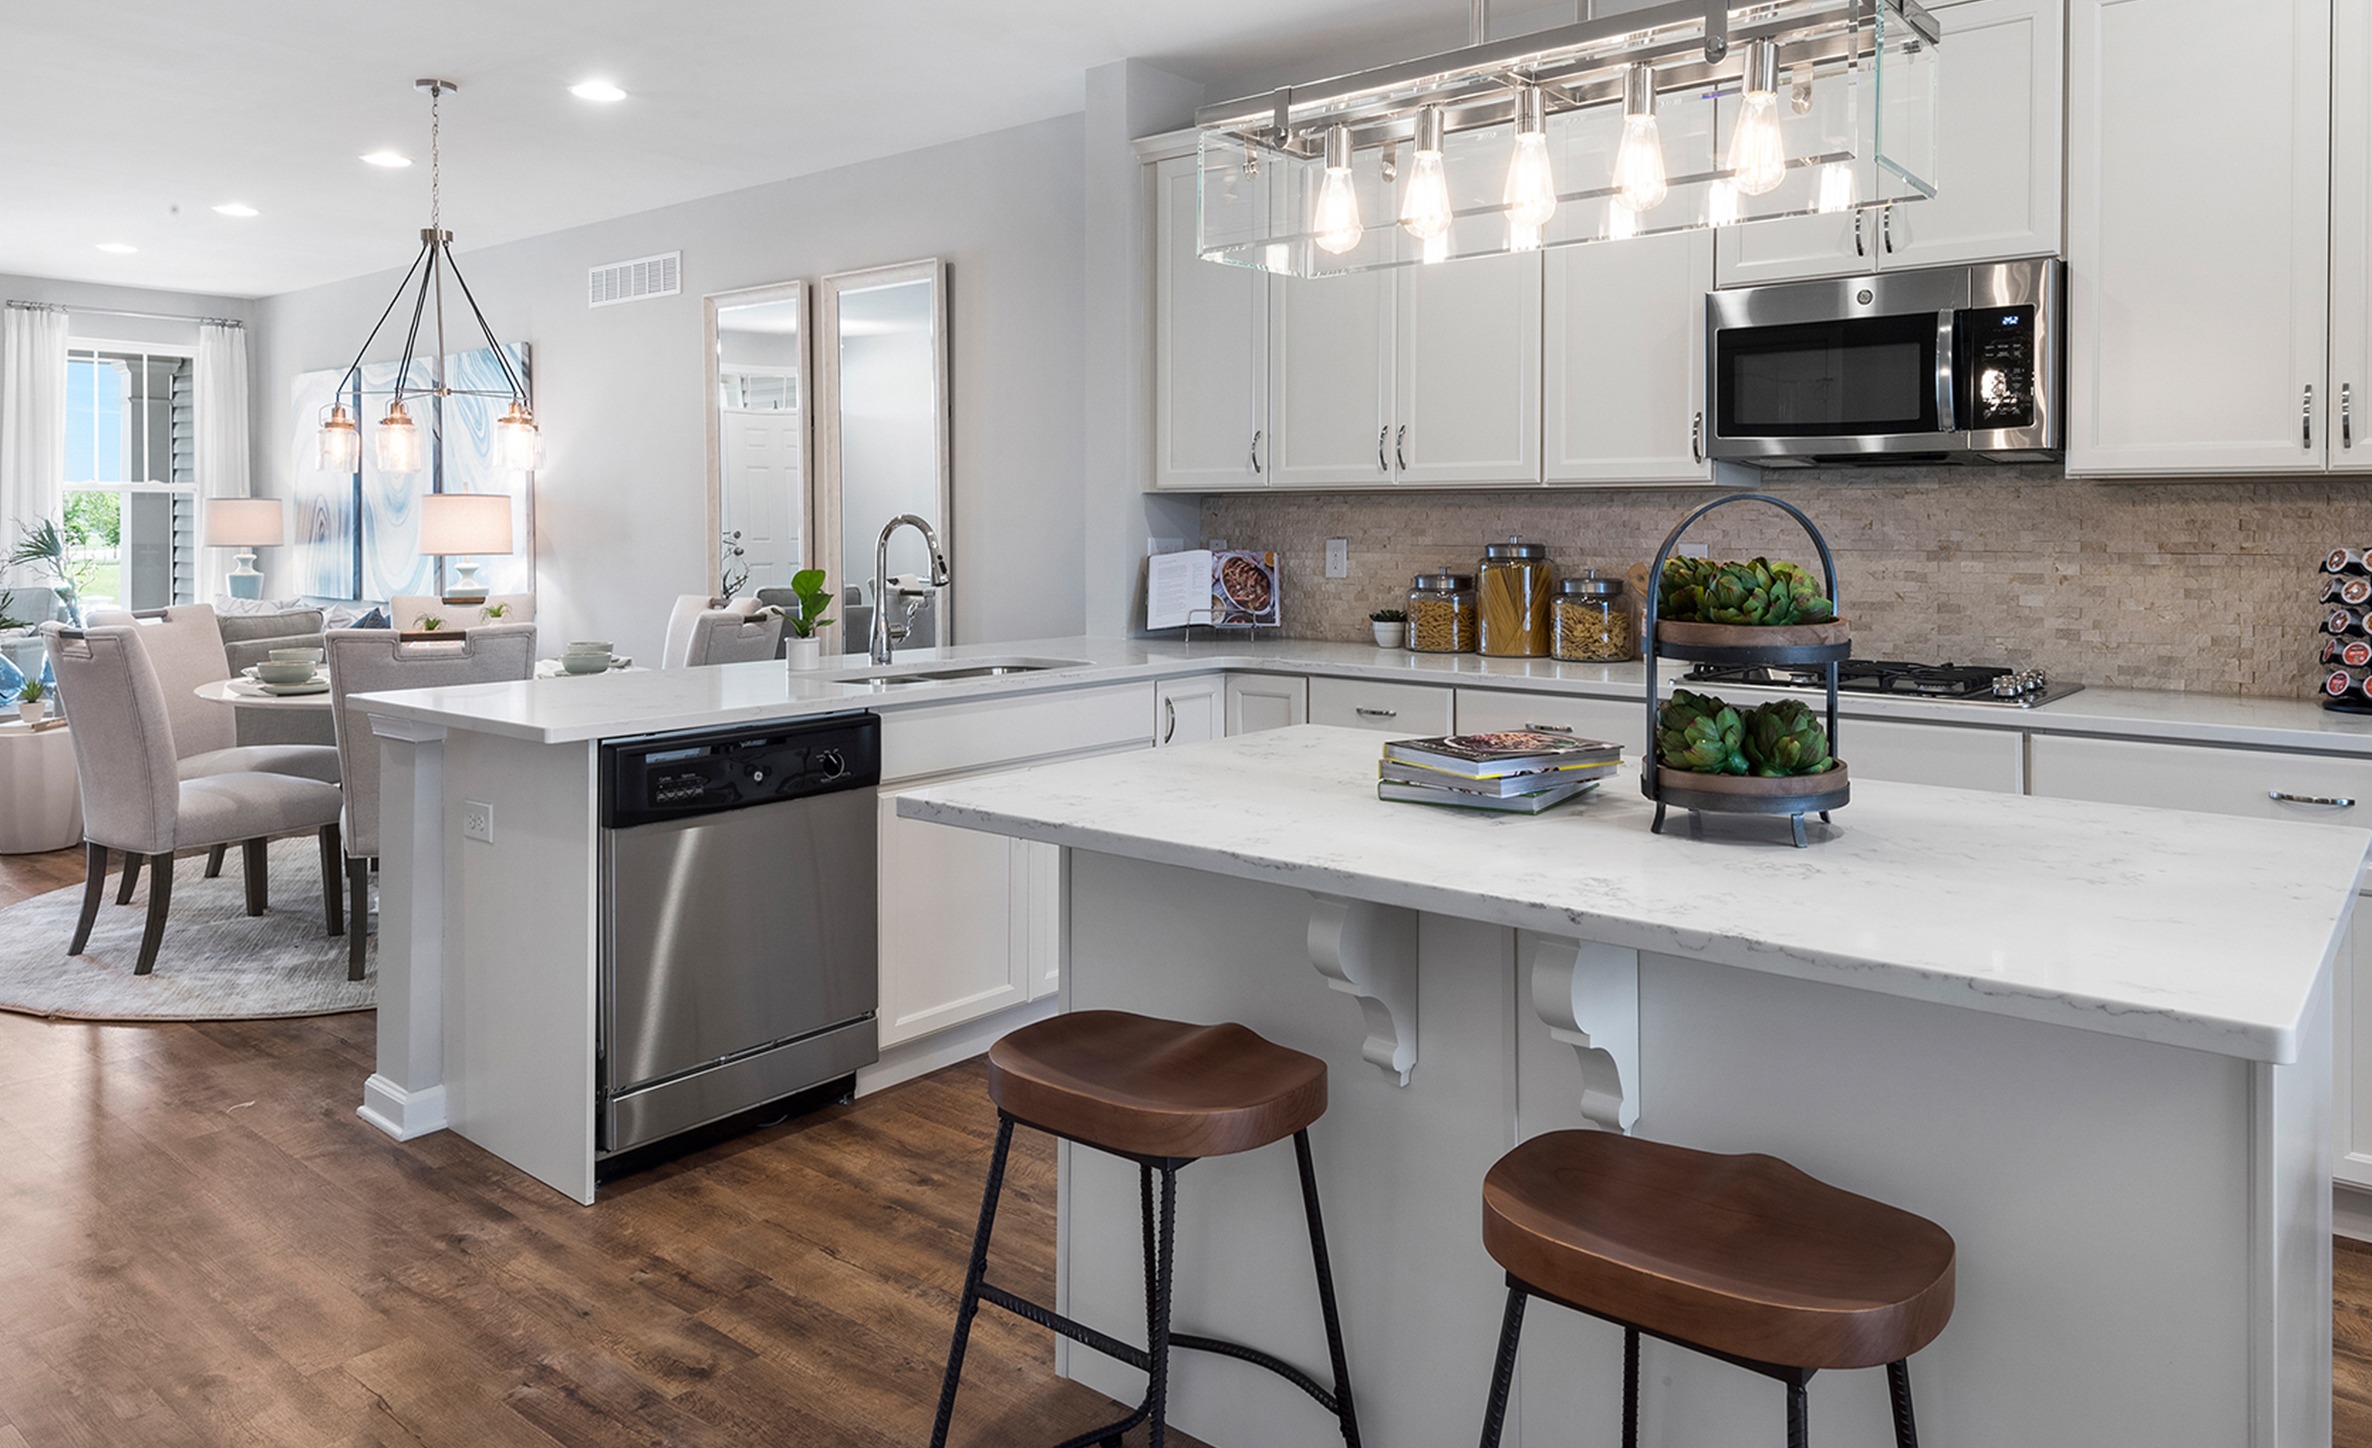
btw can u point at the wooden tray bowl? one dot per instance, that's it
(1752, 794)
(1740, 643)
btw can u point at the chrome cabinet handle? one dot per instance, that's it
(1696, 436)
(1365, 712)
(1886, 229)
(1255, 450)
(1858, 249)
(1400, 448)
(1382, 435)
(1946, 419)
(2347, 416)
(2306, 417)
(1169, 730)
(2328, 801)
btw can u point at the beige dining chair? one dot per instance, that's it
(375, 661)
(684, 625)
(722, 636)
(136, 800)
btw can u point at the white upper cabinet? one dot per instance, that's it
(2348, 441)
(1998, 153)
(1466, 373)
(2198, 218)
(1625, 345)
(1330, 380)
(1211, 353)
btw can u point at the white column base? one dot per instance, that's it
(402, 1114)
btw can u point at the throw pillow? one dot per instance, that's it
(376, 618)
(238, 607)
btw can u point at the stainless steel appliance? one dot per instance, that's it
(1980, 684)
(1956, 364)
(739, 921)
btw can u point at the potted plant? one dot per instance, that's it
(1391, 628)
(32, 701)
(803, 646)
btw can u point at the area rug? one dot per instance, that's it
(217, 963)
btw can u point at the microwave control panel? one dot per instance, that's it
(1997, 356)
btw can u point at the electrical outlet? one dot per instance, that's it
(477, 821)
(1165, 545)
(1692, 550)
(1338, 558)
(1216, 545)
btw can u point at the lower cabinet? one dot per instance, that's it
(1189, 711)
(1266, 701)
(1410, 710)
(1617, 721)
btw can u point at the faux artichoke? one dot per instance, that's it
(1785, 738)
(1758, 592)
(1701, 735)
(1680, 592)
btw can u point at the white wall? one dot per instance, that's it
(621, 503)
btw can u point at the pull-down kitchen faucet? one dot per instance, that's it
(886, 633)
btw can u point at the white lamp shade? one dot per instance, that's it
(456, 523)
(245, 523)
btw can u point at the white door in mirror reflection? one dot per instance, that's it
(763, 458)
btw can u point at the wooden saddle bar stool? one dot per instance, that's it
(1742, 1258)
(1162, 1094)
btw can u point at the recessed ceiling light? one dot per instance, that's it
(117, 248)
(596, 90)
(387, 158)
(235, 208)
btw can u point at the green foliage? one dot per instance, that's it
(430, 623)
(32, 693)
(1700, 734)
(94, 520)
(1756, 592)
(1786, 738)
(1388, 615)
(42, 546)
(8, 620)
(814, 598)
(493, 611)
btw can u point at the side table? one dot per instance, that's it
(40, 805)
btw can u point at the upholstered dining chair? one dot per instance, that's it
(722, 636)
(683, 625)
(375, 661)
(135, 799)
(184, 646)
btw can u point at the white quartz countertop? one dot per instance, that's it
(2208, 933)
(657, 701)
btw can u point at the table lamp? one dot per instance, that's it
(455, 524)
(245, 524)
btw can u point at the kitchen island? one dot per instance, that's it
(2092, 1042)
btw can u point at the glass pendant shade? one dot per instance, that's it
(1639, 162)
(1531, 194)
(396, 444)
(1336, 220)
(340, 442)
(517, 443)
(1758, 152)
(1425, 205)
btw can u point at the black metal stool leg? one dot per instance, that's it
(1346, 1416)
(1797, 1431)
(1630, 1387)
(973, 1274)
(1157, 1397)
(1898, 1387)
(1511, 1327)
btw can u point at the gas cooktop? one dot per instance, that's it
(2018, 688)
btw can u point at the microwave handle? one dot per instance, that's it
(1946, 390)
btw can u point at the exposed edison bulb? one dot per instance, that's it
(1836, 186)
(1531, 195)
(1639, 162)
(1336, 220)
(1425, 204)
(396, 445)
(340, 441)
(1758, 153)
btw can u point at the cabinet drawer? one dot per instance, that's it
(988, 732)
(1408, 709)
(1617, 721)
(2193, 777)
(1945, 754)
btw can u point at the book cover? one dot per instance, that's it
(1532, 803)
(1532, 782)
(1486, 756)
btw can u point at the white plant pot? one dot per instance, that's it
(807, 653)
(1389, 635)
(32, 711)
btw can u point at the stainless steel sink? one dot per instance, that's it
(949, 673)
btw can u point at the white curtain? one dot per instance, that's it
(221, 459)
(32, 424)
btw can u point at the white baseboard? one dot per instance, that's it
(400, 1113)
(909, 1059)
(2351, 1211)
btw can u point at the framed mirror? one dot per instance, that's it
(761, 498)
(882, 440)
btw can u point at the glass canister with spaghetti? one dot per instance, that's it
(1513, 601)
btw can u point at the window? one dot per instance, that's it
(131, 495)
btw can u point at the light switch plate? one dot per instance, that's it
(477, 821)
(1692, 550)
(1338, 558)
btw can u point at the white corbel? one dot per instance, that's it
(1588, 995)
(1369, 952)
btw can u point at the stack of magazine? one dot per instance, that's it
(1522, 771)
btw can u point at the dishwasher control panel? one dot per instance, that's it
(686, 776)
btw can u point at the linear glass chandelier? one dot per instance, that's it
(395, 443)
(1687, 114)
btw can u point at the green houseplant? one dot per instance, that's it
(1390, 626)
(804, 648)
(32, 701)
(42, 546)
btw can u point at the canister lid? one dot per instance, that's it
(1592, 586)
(1514, 548)
(1445, 582)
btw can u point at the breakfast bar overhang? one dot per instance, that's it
(2093, 1042)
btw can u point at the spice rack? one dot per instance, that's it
(2347, 631)
(1826, 644)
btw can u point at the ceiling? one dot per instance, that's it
(133, 119)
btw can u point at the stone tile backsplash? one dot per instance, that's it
(2209, 586)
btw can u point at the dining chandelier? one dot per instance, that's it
(396, 446)
(1687, 114)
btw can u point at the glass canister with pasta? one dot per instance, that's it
(1513, 600)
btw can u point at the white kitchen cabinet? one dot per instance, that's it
(1408, 710)
(1466, 371)
(1189, 711)
(1624, 345)
(2198, 236)
(1952, 755)
(1330, 380)
(1038, 907)
(1998, 164)
(1210, 364)
(2347, 441)
(1266, 701)
(948, 922)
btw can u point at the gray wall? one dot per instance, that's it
(622, 500)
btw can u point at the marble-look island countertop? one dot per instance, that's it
(2150, 924)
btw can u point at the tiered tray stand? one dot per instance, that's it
(1826, 644)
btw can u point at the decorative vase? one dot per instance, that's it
(804, 653)
(32, 711)
(1389, 635)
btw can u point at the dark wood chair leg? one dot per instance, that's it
(333, 898)
(160, 899)
(358, 913)
(94, 894)
(214, 861)
(131, 880)
(253, 863)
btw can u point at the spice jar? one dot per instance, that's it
(1513, 599)
(1441, 613)
(1593, 622)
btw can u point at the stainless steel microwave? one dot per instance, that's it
(1954, 364)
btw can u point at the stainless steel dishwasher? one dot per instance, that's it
(739, 921)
